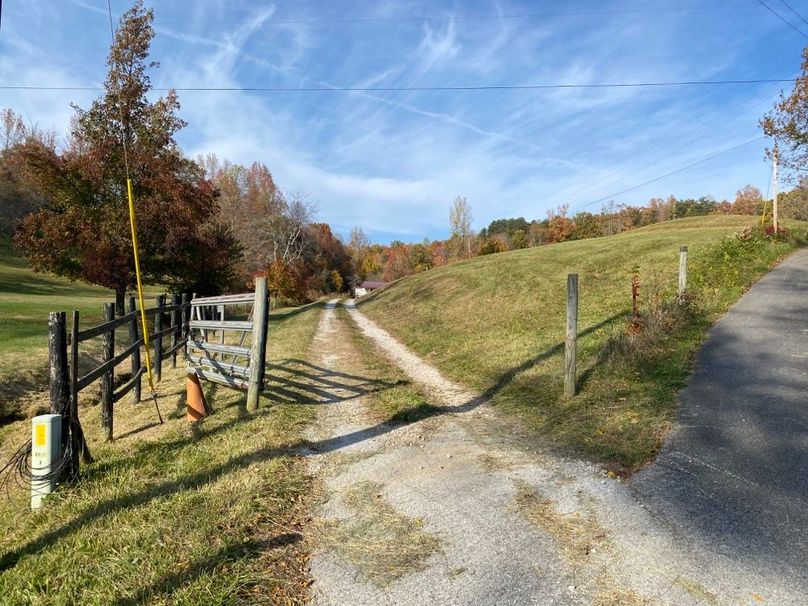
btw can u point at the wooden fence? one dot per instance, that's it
(169, 335)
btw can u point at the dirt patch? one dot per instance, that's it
(381, 543)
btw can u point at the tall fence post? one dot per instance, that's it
(176, 324)
(259, 343)
(75, 439)
(158, 338)
(682, 273)
(59, 381)
(571, 345)
(108, 378)
(133, 338)
(186, 318)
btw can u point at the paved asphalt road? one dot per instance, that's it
(734, 472)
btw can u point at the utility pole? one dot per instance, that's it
(773, 188)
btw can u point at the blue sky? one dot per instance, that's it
(391, 162)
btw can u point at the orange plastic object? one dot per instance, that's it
(197, 407)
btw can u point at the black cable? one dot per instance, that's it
(383, 89)
(799, 16)
(783, 19)
(662, 151)
(674, 172)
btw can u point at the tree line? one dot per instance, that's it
(400, 259)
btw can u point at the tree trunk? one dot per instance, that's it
(120, 294)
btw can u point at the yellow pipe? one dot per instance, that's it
(139, 284)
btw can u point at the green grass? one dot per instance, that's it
(205, 513)
(497, 324)
(26, 298)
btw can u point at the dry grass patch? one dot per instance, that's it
(697, 591)
(381, 543)
(610, 596)
(577, 534)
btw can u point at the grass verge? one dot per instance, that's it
(497, 323)
(205, 513)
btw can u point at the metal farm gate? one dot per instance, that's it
(216, 349)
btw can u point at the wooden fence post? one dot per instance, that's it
(186, 318)
(57, 356)
(133, 337)
(259, 344)
(176, 324)
(571, 345)
(108, 378)
(75, 440)
(158, 339)
(682, 273)
(59, 381)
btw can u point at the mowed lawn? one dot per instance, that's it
(26, 298)
(497, 323)
(205, 513)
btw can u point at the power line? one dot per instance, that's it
(382, 89)
(663, 151)
(783, 19)
(788, 6)
(674, 172)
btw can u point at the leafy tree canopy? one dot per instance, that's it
(83, 231)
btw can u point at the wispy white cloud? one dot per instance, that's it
(392, 162)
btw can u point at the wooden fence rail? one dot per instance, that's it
(72, 383)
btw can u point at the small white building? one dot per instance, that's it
(367, 286)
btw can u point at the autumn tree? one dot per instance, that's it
(358, 247)
(586, 225)
(17, 196)
(787, 125)
(83, 231)
(397, 264)
(559, 226)
(748, 200)
(460, 222)
(794, 204)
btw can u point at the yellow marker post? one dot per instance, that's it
(140, 293)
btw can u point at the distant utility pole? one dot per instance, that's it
(773, 188)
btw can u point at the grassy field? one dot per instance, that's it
(497, 324)
(25, 300)
(205, 513)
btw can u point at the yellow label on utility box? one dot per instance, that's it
(41, 435)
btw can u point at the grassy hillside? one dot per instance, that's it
(497, 323)
(25, 300)
(203, 513)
